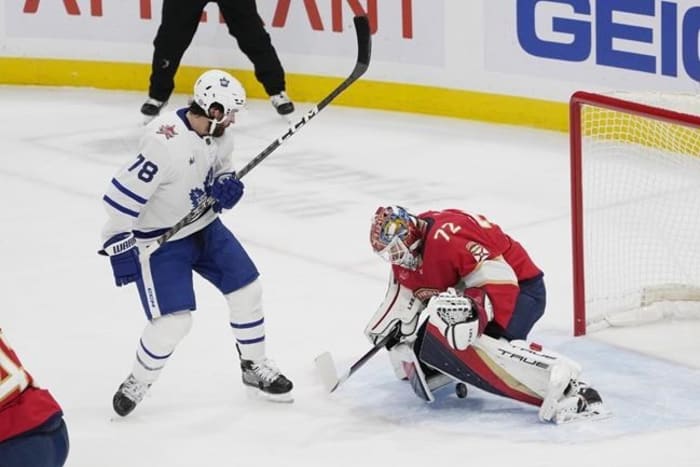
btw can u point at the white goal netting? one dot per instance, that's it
(640, 191)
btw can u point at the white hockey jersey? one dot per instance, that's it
(168, 177)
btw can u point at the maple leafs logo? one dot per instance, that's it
(167, 130)
(196, 196)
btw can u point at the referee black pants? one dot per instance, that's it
(179, 22)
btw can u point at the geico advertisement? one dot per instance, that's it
(626, 44)
(405, 31)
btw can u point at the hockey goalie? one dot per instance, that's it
(462, 297)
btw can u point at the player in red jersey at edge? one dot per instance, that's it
(462, 298)
(32, 430)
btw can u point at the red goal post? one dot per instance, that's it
(635, 208)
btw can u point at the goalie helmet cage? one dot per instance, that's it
(635, 207)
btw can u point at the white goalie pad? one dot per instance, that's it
(527, 362)
(550, 375)
(399, 306)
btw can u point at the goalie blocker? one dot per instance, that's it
(442, 343)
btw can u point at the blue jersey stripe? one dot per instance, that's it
(140, 234)
(119, 207)
(128, 192)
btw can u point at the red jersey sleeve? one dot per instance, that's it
(23, 407)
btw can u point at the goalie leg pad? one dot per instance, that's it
(412, 369)
(472, 366)
(552, 376)
(397, 358)
(423, 380)
(527, 362)
(518, 370)
(559, 378)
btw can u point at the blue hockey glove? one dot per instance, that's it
(124, 257)
(227, 190)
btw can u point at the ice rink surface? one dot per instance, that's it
(304, 220)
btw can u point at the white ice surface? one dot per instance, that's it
(304, 220)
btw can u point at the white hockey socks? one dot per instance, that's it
(158, 341)
(247, 321)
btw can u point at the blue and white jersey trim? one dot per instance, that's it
(119, 207)
(128, 192)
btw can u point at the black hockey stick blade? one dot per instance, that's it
(364, 44)
(364, 50)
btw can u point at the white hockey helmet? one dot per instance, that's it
(219, 87)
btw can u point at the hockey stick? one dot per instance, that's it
(327, 370)
(364, 50)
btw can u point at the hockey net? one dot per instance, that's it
(635, 193)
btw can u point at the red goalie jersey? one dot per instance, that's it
(22, 405)
(464, 247)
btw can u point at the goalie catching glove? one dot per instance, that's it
(460, 318)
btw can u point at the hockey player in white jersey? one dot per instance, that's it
(183, 157)
(450, 275)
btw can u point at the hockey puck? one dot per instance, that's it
(461, 390)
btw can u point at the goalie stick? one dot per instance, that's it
(327, 369)
(364, 50)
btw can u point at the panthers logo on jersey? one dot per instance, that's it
(478, 251)
(424, 294)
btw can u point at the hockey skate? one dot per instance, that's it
(580, 402)
(282, 103)
(569, 399)
(129, 394)
(151, 108)
(267, 380)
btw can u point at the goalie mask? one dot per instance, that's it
(216, 90)
(395, 236)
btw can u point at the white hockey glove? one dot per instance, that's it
(456, 317)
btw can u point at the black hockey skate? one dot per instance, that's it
(282, 103)
(151, 108)
(129, 394)
(587, 396)
(267, 379)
